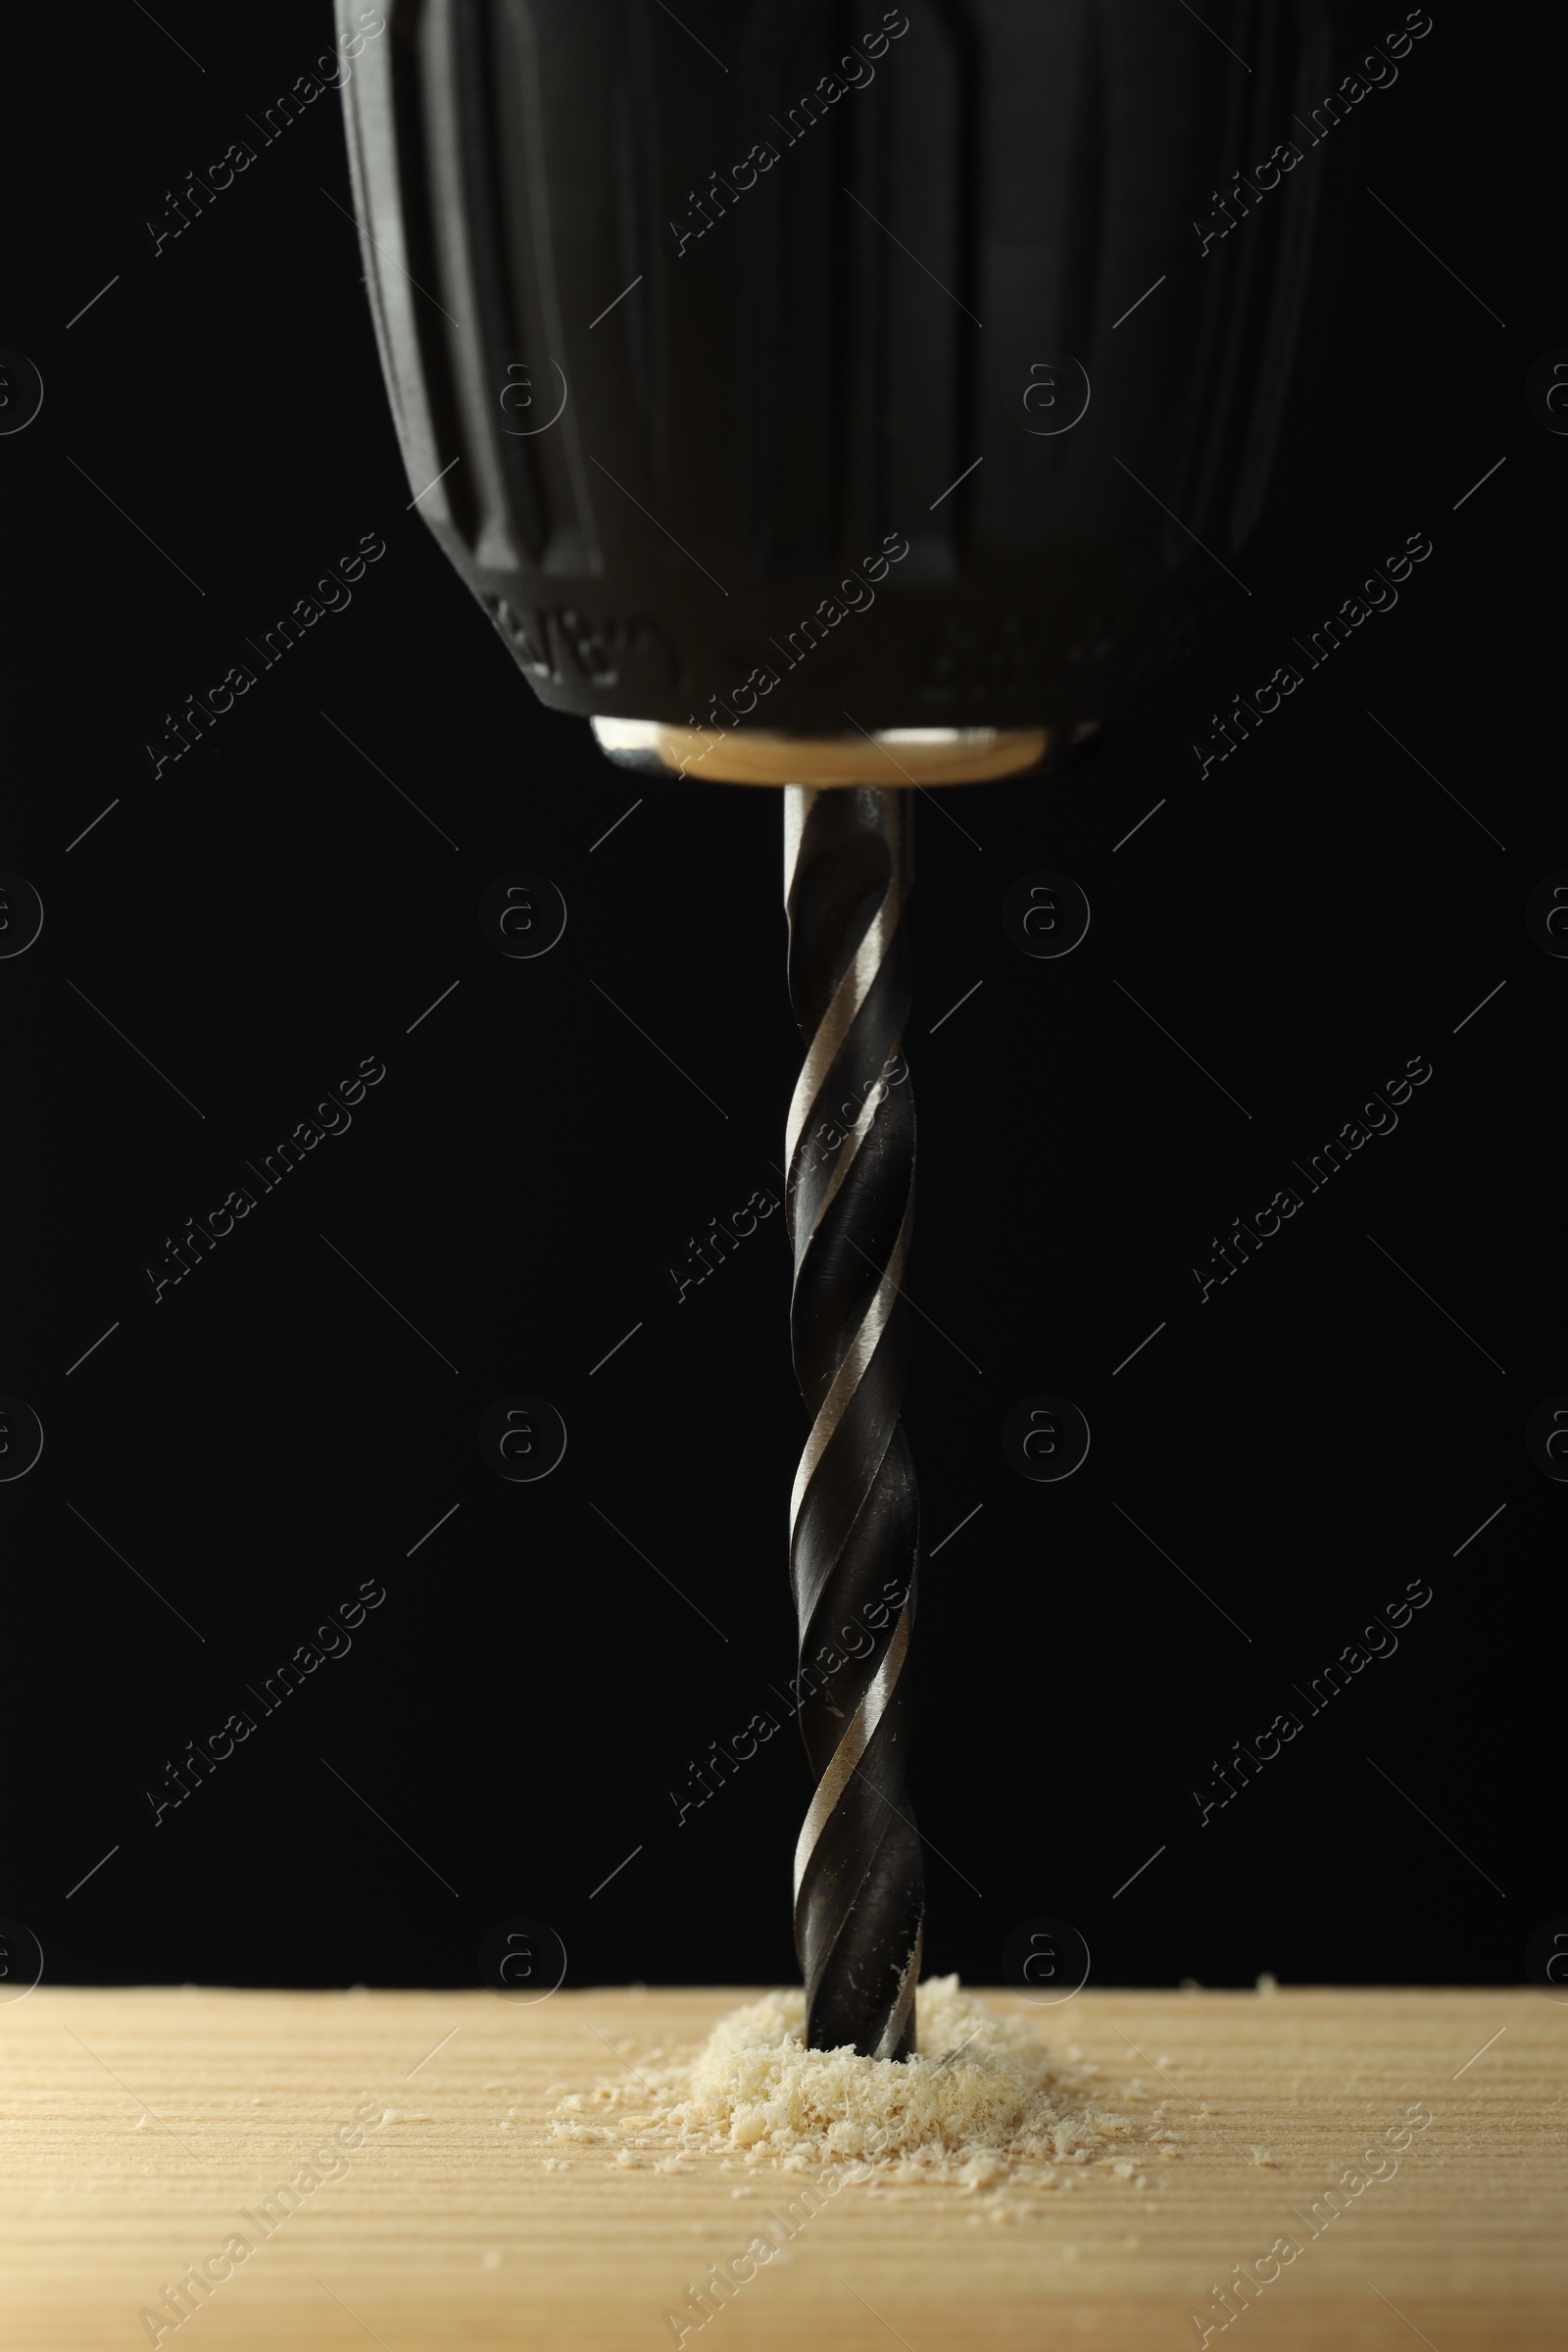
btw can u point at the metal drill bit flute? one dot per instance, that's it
(855, 1515)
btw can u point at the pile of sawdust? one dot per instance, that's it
(983, 2105)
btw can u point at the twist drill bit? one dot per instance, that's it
(855, 1515)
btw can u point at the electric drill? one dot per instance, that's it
(846, 402)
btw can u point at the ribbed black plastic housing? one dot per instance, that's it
(689, 317)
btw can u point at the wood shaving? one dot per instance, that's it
(983, 2107)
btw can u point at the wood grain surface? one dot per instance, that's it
(141, 2126)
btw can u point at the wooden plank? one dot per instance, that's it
(140, 2126)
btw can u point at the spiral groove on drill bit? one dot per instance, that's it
(854, 1513)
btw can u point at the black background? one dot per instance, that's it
(269, 910)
